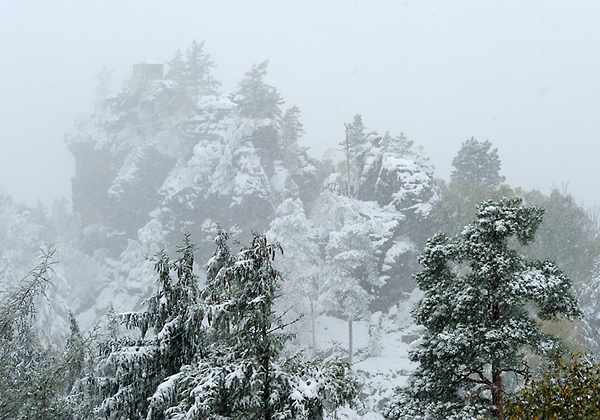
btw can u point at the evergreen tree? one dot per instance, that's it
(134, 368)
(198, 78)
(476, 311)
(291, 128)
(351, 274)
(256, 99)
(399, 145)
(568, 235)
(177, 73)
(475, 162)
(243, 373)
(79, 363)
(476, 178)
(352, 147)
(176, 70)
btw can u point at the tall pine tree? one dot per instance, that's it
(479, 294)
(256, 99)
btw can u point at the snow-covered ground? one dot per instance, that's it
(380, 360)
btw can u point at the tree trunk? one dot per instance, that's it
(497, 397)
(350, 342)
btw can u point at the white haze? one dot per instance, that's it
(522, 74)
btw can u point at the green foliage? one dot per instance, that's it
(35, 376)
(243, 373)
(458, 203)
(475, 179)
(568, 235)
(399, 145)
(133, 369)
(21, 354)
(193, 74)
(291, 127)
(216, 353)
(569, 389)
(476, 310)
(477, 162)
(351, 270)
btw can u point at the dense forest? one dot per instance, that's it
(209, 263)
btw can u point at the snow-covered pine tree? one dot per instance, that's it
(476, 311)
(198, 78)
(399, 145)
(352, 147)
(351, 273)
(134, 368)
(176, 70)
(256, 99)
(291, 128)
(243, 373)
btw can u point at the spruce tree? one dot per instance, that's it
(243, 372)
(479, 294)
(134, 368)
(176, 70)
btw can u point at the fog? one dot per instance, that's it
(522, 75)
(509, 91)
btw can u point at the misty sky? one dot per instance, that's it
(522, 74)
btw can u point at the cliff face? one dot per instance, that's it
(155, 162)
(152, 165)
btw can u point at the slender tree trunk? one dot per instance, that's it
(350, 350)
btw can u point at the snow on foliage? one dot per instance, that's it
(476, 311)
